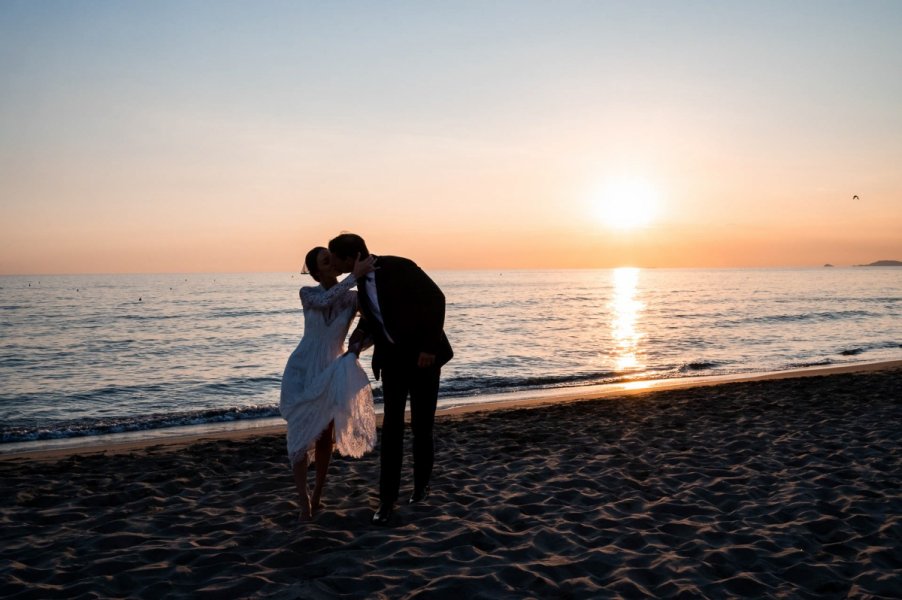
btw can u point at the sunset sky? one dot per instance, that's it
(233, 136)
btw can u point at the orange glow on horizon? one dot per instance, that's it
(588, 246)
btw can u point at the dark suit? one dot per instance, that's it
(413, 314)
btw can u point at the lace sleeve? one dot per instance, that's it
(317, 297)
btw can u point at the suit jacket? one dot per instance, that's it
(413, 312)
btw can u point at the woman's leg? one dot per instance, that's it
(323, 457)
(300, 481)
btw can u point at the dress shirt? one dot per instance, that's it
(374, 302)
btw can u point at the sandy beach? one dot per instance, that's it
(786, 487)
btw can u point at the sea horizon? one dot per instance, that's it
(430, 269)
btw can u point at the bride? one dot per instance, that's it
(325, 394)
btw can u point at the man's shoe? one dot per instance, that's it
(383, 515)
(419, 495)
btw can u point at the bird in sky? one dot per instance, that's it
(855, 197)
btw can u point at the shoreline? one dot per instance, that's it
(176, 438)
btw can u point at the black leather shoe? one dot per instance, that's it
(419, 495)
(383, 515)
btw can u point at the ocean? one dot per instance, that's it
(93, 355)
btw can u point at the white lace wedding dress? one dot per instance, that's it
(320, 384)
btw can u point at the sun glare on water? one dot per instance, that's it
(627, 204)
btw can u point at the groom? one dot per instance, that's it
(403, 313)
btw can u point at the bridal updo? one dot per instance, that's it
(311, 267)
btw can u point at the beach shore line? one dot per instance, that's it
(786, 486)
(184, 436)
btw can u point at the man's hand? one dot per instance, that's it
(357, 343)
(425, 360)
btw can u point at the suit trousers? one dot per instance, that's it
(398, 380)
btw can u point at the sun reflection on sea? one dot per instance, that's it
(624, 319)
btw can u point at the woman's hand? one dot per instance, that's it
(363, 266)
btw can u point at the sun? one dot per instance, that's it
(627, 204)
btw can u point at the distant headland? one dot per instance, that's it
(883, 263)
(878, 263)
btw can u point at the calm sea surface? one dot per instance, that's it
(89, 355)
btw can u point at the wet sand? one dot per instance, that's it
(785, 487)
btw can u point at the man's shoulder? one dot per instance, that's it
(393, 259)
(394, 262)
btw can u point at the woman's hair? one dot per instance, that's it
(311, 267)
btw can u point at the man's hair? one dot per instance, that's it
(348, 245)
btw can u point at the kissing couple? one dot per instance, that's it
(326, 397)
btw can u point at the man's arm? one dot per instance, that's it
(429, 313)
(360, 339)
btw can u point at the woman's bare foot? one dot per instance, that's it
(299, 470)
(316, 503)
(306, 514)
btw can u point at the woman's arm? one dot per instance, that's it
(317, 297)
